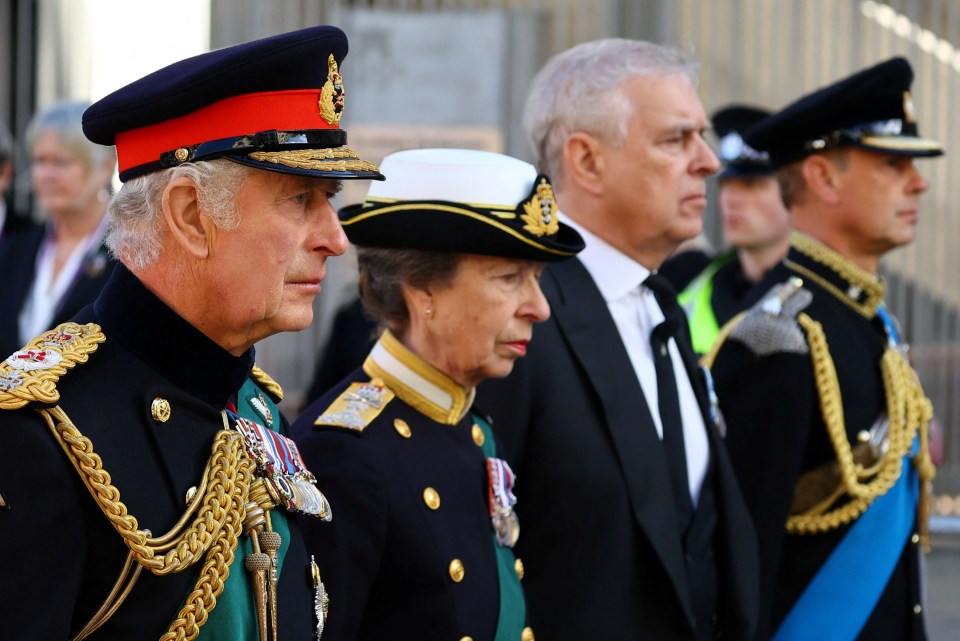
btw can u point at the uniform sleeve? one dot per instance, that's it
(349, 548)
(768, 403)
(42, 536)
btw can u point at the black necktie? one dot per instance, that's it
(669, 399)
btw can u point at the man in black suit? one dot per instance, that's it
(633, 524)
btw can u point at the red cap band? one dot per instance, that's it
(236, 116)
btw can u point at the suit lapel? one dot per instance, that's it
(583, 318)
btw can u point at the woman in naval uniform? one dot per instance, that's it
(450, 251)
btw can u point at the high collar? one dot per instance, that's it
(851, 284)
(417, 383)
(132, 315)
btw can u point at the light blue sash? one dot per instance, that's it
(841, 597)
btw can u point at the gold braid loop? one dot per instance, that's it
(216, 568)
(188, 546)
(908, 411)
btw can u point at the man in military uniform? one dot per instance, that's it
(756, 225)
(827, 422)
(146, 482)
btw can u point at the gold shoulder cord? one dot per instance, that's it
(908, 410)
(218, 508)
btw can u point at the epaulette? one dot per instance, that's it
(357, 406)
(269, 385)
(771, 325)
(30, 375)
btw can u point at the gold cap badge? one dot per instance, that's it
(540, 210)
(332, 94)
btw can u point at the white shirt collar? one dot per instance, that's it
(615, 273)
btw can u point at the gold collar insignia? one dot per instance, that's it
(856, 287)
(417, 383)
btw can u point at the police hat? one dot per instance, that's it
(273, 104)
(739, 158)
(871, 109)
(462, 200)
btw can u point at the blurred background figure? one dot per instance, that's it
(423, 528)
(9, 221)
(756, 227)
(60, 265)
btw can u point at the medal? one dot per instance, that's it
(278, 461)
(501, 500)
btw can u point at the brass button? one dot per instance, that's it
(915, 539)
(192, 492)
(432, 498)
(181, 154)
(518, 566)
(917, 609)
(466, 638)
(160, 410)
(456, 570)
(477, 433)
(402, 428)
(527, 635)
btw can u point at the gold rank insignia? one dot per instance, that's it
(332, 94)
(540, 210)
(357, 406)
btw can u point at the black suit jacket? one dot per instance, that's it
(18, 257)
(602, 555)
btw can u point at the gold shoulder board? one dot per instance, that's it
(357, 406)
(269, 385)
(30, 374)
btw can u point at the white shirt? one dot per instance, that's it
(636, 312)
(47, 292)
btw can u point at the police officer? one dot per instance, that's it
(827, 422)
(450, 251)
(147, 484)
(756, 226)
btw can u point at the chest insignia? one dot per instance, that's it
(30, 374)
(501, 500)
(357, 406)
(279, 462)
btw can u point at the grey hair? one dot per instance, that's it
(581, 89)
(64, 119)
(135, 230)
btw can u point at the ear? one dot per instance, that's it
(822, 177)
(193, 232)
(419, 302)
(583, 162)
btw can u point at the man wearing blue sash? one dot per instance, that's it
(827, 421)
(147, 486)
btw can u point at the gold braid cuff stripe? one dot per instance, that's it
(329, 159)
(908, 411)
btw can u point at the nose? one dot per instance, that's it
(535, 308)
(919, 184)
(328, 236)
(705, 162)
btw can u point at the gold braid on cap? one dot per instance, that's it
(329, 159)
(909, 412)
